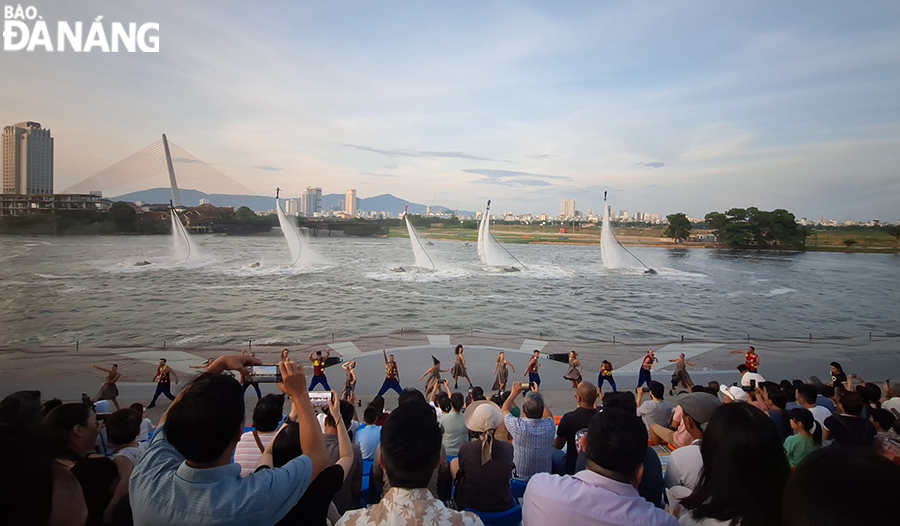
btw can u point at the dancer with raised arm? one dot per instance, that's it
(318, 361)
(245, 380)
(347, 392)
(434, 376)
(532, 370)
(206, 364)
(109, 391)
(606, 375)
(502, 373)
(574, 374)
(681, 376)
(646, 366)
(459, 368)
(163, 382)
(751, 359)
(391, 375)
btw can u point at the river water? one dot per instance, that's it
(59, 290)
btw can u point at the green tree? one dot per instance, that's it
(245, 214)
(894, 230)
(123, 216)
(744, 227)
(679, 227)
(850, 242)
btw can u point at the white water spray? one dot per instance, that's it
(185, 249)
(182, 244)
(490, 252)
(423, 260)
(297, 242)
(613, 255)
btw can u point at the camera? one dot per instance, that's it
(264, 374)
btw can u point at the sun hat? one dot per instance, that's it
(484, 417)
(734, 392)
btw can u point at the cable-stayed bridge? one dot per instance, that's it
(147, 168)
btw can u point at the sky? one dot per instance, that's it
(671, 106)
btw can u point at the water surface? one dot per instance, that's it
(58, 290)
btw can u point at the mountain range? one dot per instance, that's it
(379, 203)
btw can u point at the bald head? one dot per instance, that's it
(587, 395)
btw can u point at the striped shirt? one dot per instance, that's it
(247, 453)
(532, 443)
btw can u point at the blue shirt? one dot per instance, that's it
(165, 491)
(368, 438)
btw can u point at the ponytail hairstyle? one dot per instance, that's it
(805, 418)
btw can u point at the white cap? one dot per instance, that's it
(734, 392)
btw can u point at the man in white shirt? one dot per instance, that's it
(749, 379)
(685, 463)
(892, 397)
(410, 451)
(806, 396)
(605, 493)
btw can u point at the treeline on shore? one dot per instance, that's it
(740, 228)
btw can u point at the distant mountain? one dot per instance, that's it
(379, 203)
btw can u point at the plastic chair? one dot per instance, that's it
(364, 489)
(367, 467)
(517, 488)
(510, 517)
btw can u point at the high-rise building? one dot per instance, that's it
(27, 159)
(312, 201)
(350, 202)
(291, 207)
(568, 208)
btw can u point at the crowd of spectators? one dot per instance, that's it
(751, 454)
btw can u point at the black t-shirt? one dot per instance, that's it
(96, 475)
(485, 487)
(570, 424)
(312, 508)
(839, 378)
(850, 431)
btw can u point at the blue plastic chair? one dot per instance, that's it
(367, 467)
(517, 488)
(364, 489)
(510, 517)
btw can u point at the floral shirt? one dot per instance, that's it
(408, 507)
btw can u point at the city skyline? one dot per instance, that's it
(671, 110)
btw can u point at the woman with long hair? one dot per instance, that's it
(459, 368)
(574, 373)
(434, 377)
(501, 372)
(680, 375)
(744, 471)
(606, 375)
(109, 391)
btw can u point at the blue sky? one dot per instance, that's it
(672, 106)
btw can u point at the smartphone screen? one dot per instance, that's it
(319, 399)
(264, 373)
(752, 384)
